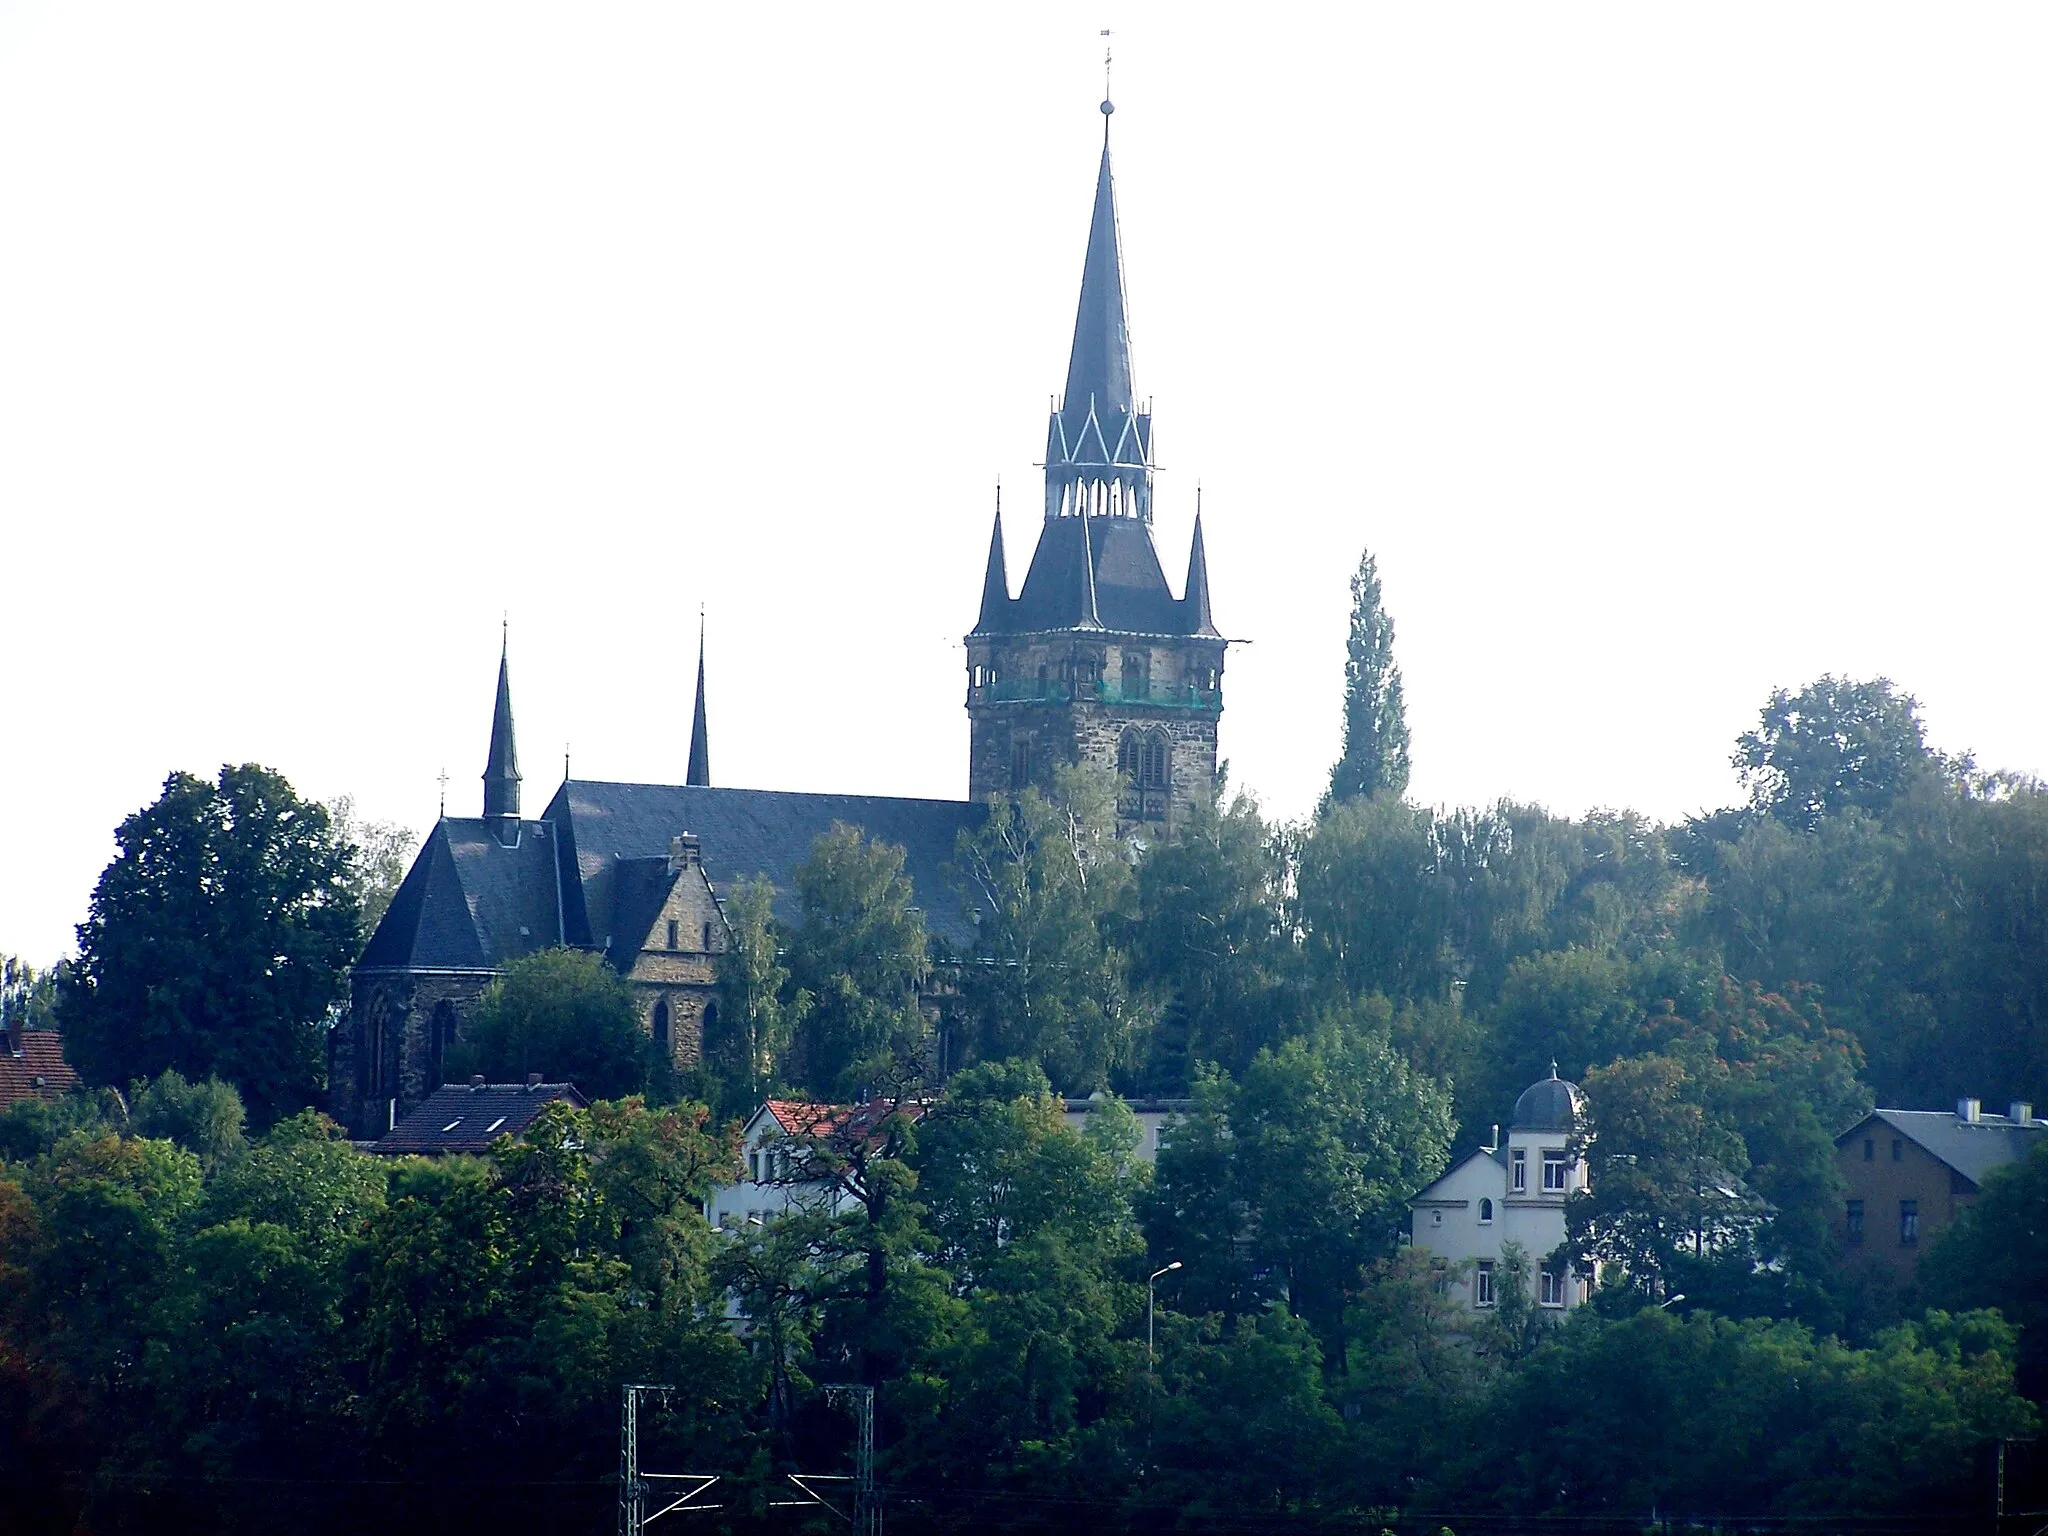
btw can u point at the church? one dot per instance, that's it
(1094, 660)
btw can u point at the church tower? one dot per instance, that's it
(1096, 660)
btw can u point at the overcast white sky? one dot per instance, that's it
(1662, 354)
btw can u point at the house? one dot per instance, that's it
(32, 1066)
(776, 1147)
(1494, 1195)
(468, 1117)
(1153, 1115)
(1907, 1173)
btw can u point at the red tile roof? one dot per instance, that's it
(32, 1066)
(798, 1117)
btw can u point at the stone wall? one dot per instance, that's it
(385, 1047)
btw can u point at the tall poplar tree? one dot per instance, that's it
(1375, 724)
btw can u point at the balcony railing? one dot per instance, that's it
(1054, 691)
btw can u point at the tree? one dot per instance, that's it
(1837, 744)
(565, 1014)
(1996, 1255)
(1206, 940)
(1374, 903)
(861, 956)
(28, 997)
(758, 1015)
(216, 941)
(1044, 986)
(203, 1118)
(383, 852)
(1375, 759)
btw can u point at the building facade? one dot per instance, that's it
(1908, 1173)
(1516, 1193)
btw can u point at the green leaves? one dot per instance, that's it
(216, 941)
(1375, 757)
(565, 1014)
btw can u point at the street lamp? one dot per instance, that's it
(1150, 1280)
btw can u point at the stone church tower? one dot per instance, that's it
(1096, 660)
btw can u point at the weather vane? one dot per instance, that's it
(442, 780)
(1108, 106)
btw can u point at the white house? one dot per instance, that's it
(1515, 1193)
(774, 1144)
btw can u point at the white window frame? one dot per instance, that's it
(1486, 1213)
(1482, 1285)
(1557, 1161)
(1553, 1292)
(1518, 1180)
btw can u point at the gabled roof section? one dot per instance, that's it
(816, 1122)
(1973, 1149)
(32, 1066)
(462, 1117)
(471, 901)
(1426, 1194)
(742, 833)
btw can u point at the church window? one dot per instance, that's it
(1482, 1284)
(707, 937)
(1137, 675)
(1485, 1211)
(1518, 1171)
(1020, 761)
(675, 933)
(661, 1028)
(1044, 679)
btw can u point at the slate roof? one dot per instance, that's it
(1550, 1105)
(466, 1117)
(742, 833)
(32, 1066)
(1131, 595)
(469, 902)
(1973, 1150)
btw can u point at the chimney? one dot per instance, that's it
(683, 852)
(476, 1083)
(1494, 1145)
(1970, 1111)
(2019, 1112)
(532, 1081)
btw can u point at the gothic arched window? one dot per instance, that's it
(661, 1028)
(1137, 676)
(1144, 761)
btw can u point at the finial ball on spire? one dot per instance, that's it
(1108, 107)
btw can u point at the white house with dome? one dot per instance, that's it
(1495, 1195)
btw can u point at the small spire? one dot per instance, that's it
(1553, 1069)
(1195, 601)
(700, 733)
(501, 773)
(995, 583)
(442, 779)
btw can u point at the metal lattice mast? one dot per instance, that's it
(632, 1492)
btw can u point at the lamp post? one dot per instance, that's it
(1150, 1281)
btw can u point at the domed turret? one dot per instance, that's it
(1550, 1105)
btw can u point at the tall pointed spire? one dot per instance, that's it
(700, 733)
(1195, 599)
(1098, 451)
(995, 583)
(501, 773)
(1099, 367)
